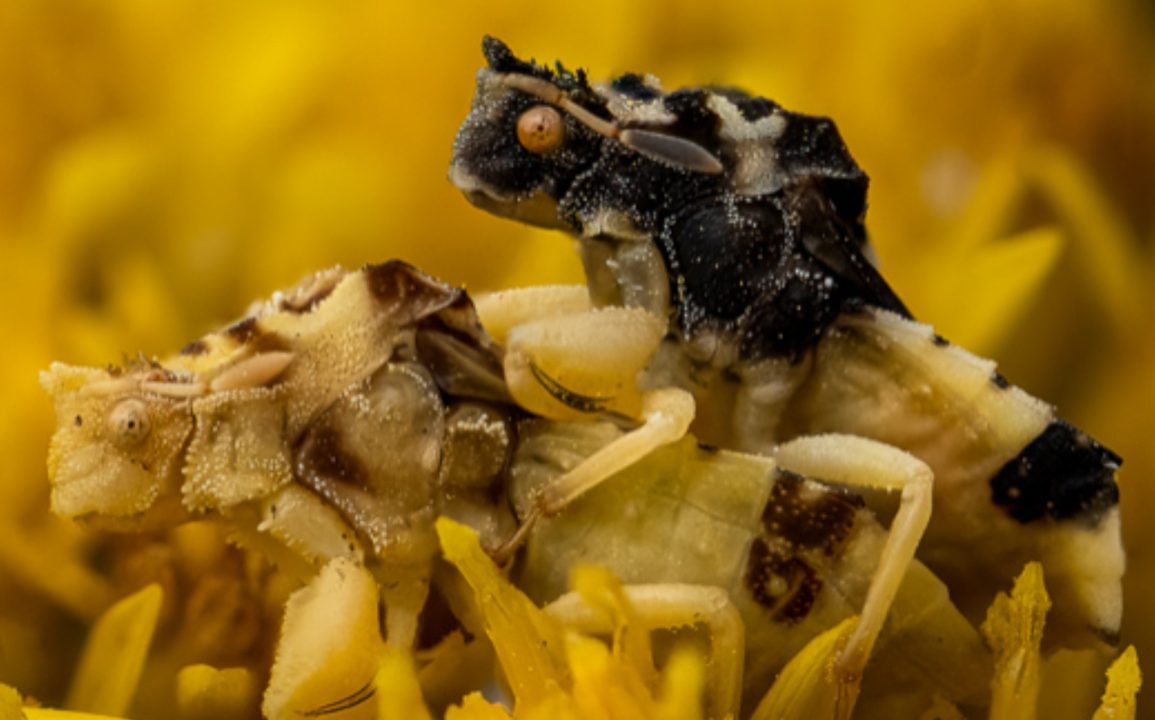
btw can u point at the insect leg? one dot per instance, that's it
(672, 606)
(864, 463)
(585, 365)
(501, 311)
(404, 589)
(667, 413)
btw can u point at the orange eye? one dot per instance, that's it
(540, 129)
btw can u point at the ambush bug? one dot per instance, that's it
(729, 293)
(334, 421)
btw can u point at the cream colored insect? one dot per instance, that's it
(334, 421)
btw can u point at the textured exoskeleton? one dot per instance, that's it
(725, 255)
(340, 416)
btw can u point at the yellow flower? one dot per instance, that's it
(553, 671)
(165, 163)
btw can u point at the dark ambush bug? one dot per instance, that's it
(738, 228)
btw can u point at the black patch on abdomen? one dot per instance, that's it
(781, 582)
(1062, 474)
(801, 524)
(811, 518)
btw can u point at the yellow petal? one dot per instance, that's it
(631, 639)
(942, 709)
(996, 284)
(209, 693)
(1103, 242)
(398, 692)
(806, 689)
(683, 682)
(1014, 629)
(10, 704)
(1123, 682)
(528, 643)
(71, 584)
(602, 687)
(453, 668)
(113, 657)
(53, 714)
(556, 706)
(475, 707)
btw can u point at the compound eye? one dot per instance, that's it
(540, 129)
(129, 424)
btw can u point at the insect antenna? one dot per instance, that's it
(656, 146)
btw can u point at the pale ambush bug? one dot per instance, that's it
(333, 422)
(730, 294)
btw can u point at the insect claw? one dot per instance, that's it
(504, 553)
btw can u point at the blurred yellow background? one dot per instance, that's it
(164, 163)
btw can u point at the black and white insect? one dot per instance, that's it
(730, 293)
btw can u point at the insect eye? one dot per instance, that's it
(128, 423)
(540, 129)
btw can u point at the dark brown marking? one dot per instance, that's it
(1111, 637)
(405, 289)
(270, 342)
(304, 305)
(940, 341)
(812, 517)
(357, 697)
(999, 381)
(567, 397)
(78, 421)
(782, 583)
(244, 331)
(321, 455)
(464, 364)
(196, 347)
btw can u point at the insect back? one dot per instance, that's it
(278, 421)
(739, 219)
